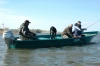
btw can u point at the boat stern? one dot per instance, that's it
(8, 38)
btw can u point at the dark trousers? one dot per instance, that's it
(53, 35)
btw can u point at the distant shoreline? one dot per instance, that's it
(45, 32)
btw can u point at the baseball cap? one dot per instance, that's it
(27, 21)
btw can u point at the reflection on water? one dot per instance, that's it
(88, 55)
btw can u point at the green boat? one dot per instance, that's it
(45, 41)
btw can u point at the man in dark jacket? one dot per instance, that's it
(79, 25)
(78, 30)
(53, 32)
(67, 33)
(24, 32)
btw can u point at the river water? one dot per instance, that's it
(87, 55)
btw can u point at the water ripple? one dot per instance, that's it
(88, 55)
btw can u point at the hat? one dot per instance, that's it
(79, 21)
(75, 24)
(27, 21)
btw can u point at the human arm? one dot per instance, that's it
(84, 28)
(77, 28)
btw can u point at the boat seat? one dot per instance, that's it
(19, 39)
(43, 38)
(58, 37)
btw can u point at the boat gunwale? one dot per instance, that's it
(55, 39)
(93, 33)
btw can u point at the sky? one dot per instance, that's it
(46, 13)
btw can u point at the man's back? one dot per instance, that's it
(67, 30)
(20, 29)
(53, 32)
(53, 29)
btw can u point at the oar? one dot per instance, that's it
(93, 23)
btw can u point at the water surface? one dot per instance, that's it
(87, 55)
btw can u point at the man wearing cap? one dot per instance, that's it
(79, 25)
(78, 30)
(24, 32)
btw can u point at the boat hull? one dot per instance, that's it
(53, 42)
